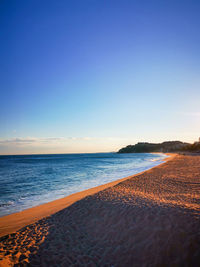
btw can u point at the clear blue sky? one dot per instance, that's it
(84, 76)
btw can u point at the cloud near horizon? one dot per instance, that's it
(28, 140)
(60, 145)
(31, 140)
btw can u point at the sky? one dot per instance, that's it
(96, 75)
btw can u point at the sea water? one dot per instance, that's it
(30, 180)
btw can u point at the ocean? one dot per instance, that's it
(31, 180)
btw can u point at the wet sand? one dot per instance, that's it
(151, 219)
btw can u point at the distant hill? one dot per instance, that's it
(169, 146)
(192, 147)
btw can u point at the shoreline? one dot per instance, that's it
(15, 221)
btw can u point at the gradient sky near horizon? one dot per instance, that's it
(96, 75)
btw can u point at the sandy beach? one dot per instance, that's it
(150, 219)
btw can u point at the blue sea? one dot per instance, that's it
(30, 180)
